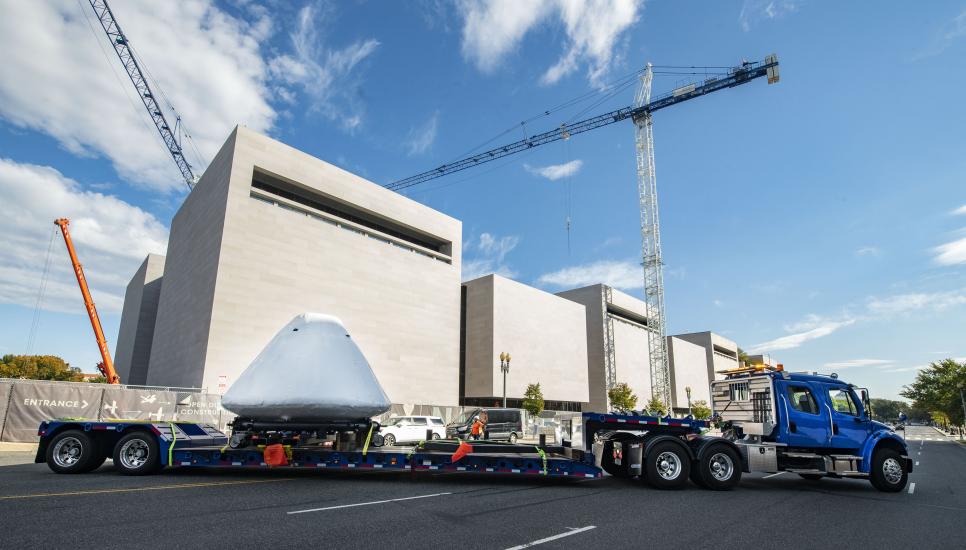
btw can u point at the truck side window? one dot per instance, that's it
(801, 399)
(842, 401)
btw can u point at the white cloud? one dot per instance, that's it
(951, 253)
(952, 31)
(906, 303)
(421, 139)
(488, 256)
(555, 172)
(112, 237)
(324, 73)
(755, 11)
(868, 251)
(717, 303)
(960, 211)
(618, 274)
(809, 329)
(55, 79)
(492, 30)
(859, 363)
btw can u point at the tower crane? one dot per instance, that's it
(640, 114)
(126, 55)
(106, 366)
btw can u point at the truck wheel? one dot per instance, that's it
(719, 468)
(73, 452)
(137, 454)
(889, 473)
(388, 440)
(667, 466)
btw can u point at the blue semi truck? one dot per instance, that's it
(773, 421)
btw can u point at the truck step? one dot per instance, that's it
(800, 455)
(805, 471)
(845, 457)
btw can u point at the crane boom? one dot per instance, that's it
(736, 76)
(124, 53)
(106, 366)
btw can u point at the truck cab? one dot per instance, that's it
(811, 424)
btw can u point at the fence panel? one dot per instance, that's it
(5, 389)
(137, 404)
(32, 403)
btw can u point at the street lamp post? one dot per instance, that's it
(505, 367)
(687, 390)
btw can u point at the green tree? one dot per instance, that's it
(656, 406)
(936, 389)
(622, 398)
(743, 358)
(887, 410)
(533, 399)
(700, 410)
(38, 367)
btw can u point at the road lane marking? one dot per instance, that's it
(917, 463)
(573, 531)
(773, 475)
(135, 489)
(365, 503)
(912, 488)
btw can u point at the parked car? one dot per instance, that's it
(500, 424)
(411, 429)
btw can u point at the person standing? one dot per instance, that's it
(477, 430)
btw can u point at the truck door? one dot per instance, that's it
(850, 425)
(805, 425)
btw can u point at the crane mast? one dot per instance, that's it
(120, 43)
(641, 114)
(106, 366)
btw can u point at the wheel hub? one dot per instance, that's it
(892, 470)
(722, 467)
(134, 454)
(668, 465)
(67, 452)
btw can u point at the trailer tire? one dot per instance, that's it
(718, 468)
(667, 465)
(889, 472)
(137, 454)
(73, 452)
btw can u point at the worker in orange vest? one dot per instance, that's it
(477, 430)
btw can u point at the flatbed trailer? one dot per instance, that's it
(622, 445)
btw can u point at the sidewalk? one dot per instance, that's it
(17, 453)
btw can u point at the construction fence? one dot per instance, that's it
(24, 404)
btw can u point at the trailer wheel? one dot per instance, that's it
(667, 466)
(718, 468)
(137, 454)
(889, 472)
(73, 452)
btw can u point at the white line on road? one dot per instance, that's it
(555, 537)
(773, 475)
(917, 463)
(365, 503)
(912, 488)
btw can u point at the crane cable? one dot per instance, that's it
(41, 292)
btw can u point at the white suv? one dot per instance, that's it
(411, 429)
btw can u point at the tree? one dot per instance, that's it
(533, 399)
(38, 367)
(936, 389)
(743, 358)
(700, 410)
(887, 410)
(622, 397)
(656, 406)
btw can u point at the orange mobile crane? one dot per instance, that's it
(106, 366)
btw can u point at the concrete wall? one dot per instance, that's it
(135, 336)
(689, 367)
(544, 334)
(631, 350)
(181, 331)
(720, 352)
(268, 260)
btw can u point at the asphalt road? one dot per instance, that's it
(218, 509)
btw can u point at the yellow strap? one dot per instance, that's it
(174, 435)
(543, 455)
(413, 450)
(365, 448)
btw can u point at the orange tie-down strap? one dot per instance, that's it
(461, 451)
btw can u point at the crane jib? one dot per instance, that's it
(736, 76)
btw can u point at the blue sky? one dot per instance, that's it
(822, 220)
